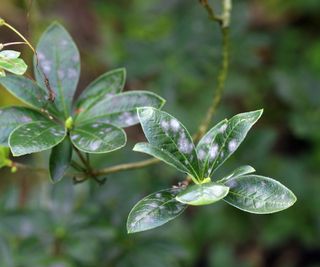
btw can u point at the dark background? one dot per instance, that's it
(171, 48)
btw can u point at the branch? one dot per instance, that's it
(127, 166)
(224, 21)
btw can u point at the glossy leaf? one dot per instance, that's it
(223, 140)
(160, 154)
(202, 194)
(121, 109)
(98, 137)
(103, 87)
(243, 170)
(258, 194)
(167, 133)
(59, 59)
(155, 210)
(27, 91)
(10, 61)
(60, 159)
(35, 137)
(12, 117)
(9, 54)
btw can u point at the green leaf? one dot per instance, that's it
(4, 156)
(103, 87)
(10, 61)
(121, 109)
(202, 194)
(168, 134)
(60, 159)
(155, 210)
(98, 137)
(59, 59)
(246, 169)
(28, 92)
(258, 194)
(12, 117)
(223, 140)
(35, 137)
(160, 154)
(10, 54)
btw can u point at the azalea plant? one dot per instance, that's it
(53, 119)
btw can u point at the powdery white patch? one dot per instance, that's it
(63, 42)
(95, 125)
(95, 145)
(232, 184)
(41, 56)
(128, 119)
(158, 195)
(184, 145)
(72, 73)
(201, 154)
(207, 139)
(232, 145)
(74, 137)
(75, 58)
(165, 125)
(222, 128)
(175, 125)
(60, 74)
(25, 119)
(46, 66)
(213, 151)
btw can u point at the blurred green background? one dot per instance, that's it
(171, 48)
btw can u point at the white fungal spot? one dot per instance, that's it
(128, 119)
(232, 145)
(158, 195)
(60, 74)
(165, 125)
(184, 145)
(74, 137)
(25, 119)
(95, 145)
(201, 154)
(207, 140)
(63, 42)
(41, 56)
(72, 73)
(95, 125)
(223, 128)
(213, 151)
(46, 66)
(175, 125)
(75, 58)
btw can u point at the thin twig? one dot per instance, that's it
(14, 43)
(220, 85)
(127, 166)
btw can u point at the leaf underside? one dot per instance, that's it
(60, 159)
(202, 194)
